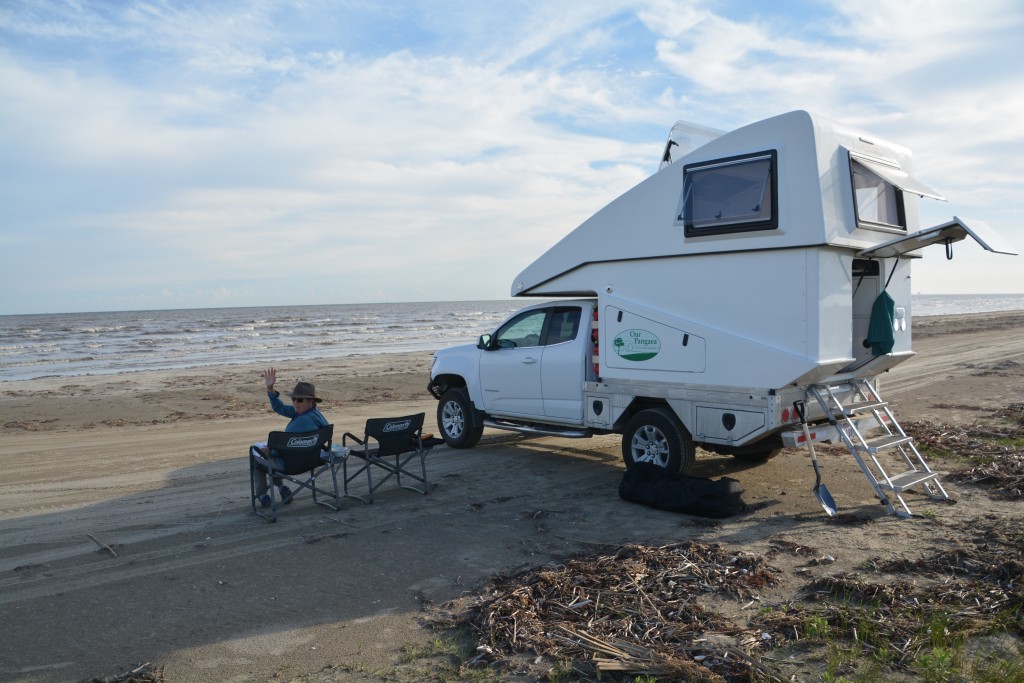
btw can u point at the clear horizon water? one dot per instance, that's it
(74, 344)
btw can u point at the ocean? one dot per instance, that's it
(73, 344)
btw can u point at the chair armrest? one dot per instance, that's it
(348, 435)
(336, 454)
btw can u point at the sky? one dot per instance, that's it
(183, 154)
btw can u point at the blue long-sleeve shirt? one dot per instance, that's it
(309, 421)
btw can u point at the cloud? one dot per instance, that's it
(191, 147)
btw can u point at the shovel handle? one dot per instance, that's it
(798, 406)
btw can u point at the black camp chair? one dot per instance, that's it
(306, 456)
(391, 444)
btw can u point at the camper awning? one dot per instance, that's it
(894, 175)
(953, 231)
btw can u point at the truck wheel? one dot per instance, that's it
(655, 437)
(457, 420)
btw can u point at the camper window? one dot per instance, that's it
(878, 202)
(730, 195)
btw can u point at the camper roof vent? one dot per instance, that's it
(684, 138)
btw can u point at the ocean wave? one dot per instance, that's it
(105, 343)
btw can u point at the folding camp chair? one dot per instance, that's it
(398, 437)
(305, 456)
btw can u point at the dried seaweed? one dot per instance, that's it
(991, 560)
(965, 589)
(633, 611)
(895, 616)
(995, 453)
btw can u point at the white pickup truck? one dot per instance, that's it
(756, 268)
(540, 373)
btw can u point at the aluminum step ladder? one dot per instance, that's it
(842, 402)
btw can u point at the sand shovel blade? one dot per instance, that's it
(826, 500)
(820, 490)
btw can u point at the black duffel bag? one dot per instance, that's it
(656, 487)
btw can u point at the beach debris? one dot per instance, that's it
(632, 610)
(637, 610)
(995, 453)
(778, 545)
(103, 545)
(145, 673)
(966, 589)
(994, 554)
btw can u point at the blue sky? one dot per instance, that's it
(190, 154)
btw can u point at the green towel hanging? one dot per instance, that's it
(880, 330)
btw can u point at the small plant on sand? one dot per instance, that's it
(937, 666)
(990, 669)
(938, 631)
(436, 646)
(829, 677)
(835, 659)
(560, 672)
(816, 627)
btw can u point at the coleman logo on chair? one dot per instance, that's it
(397, 426)
(303, 442)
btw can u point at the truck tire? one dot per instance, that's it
(457, 419)
(656, 437)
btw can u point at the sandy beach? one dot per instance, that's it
(126, 535)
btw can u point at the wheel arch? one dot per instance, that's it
(445, 381)
(641, 403)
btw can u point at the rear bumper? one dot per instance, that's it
(825, 432)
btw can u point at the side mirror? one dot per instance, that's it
(484, 342)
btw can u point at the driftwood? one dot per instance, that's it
(632, 611)
(146, 673)
(103, 545)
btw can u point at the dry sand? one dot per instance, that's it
(153, 466)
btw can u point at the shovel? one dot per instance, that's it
(820, 490)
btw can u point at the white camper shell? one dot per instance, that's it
(767, 247)
(733, 282)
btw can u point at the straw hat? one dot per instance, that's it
(304, 390)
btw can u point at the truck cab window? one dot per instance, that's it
(522, 331)
(565, 322)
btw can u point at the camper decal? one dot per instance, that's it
(636, 345)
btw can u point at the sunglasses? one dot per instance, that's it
(299, 400)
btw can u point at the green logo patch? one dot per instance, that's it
(636, 345)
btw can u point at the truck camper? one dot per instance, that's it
(756, 271)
